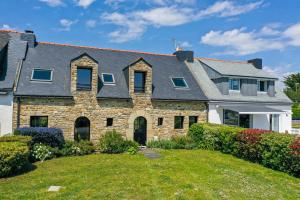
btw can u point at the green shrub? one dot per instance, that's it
(132, 151)
(42, 152)
(13, 158)
(132, 145)
(275, 151)
(73, 148)
(176, 142)
(196, 133)
(163, 144)
(16, 138)
(111, 142)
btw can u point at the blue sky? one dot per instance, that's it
(230, 29)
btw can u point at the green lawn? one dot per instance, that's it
(179, 174)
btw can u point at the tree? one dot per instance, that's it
(292, 90)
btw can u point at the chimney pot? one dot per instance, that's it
(29, 31)
(257, 62)
(184, 55)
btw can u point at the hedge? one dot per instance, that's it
(16, 138)
(13, 157)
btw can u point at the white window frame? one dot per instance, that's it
(239, 80)
(41, 80)
(179, 87)
(108, 83)
(258, 86)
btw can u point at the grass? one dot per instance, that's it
(179, 174)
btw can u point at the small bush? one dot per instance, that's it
(129, 144)
(275, 151)
(295, 157)
(13, 157)
(73, 148)
(49, 136)
(16, 138)
(196, 133)
(176, 142)
(248, 144)
(132, 150)
(111, 142)
(42, 152)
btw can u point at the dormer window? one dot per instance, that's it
(139, 81)
(41, 75)
(234, 84)
(84, 79)
(179, 82)
(262, 86)
(108, 79)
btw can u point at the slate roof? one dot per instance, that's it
(57, 57)
(213, 93)
(230, 68)
(15, 49)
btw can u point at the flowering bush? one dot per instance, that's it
(248, 144)
(72, 148)
(49, 136)
(42, 152)
(295, 146)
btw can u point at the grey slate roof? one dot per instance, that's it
(213, 93)
(15, 53)
(57, 57)
(236, 68)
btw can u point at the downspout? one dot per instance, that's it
(18, 111)
(207, 111)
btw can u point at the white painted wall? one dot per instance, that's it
(261, 121)
(6, 113)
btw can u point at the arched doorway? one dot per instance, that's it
(140, 130)
(82, 129)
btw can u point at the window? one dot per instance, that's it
(38, 121)
(84, 79)
(234, 84)
(262, 86)
(179, 83)
(178, 122)
(139, 82)
(160, 121)
(108, 78)
(41, 75)
(231, 118)
(192, 120)
(109, 121)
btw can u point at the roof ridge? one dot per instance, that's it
(9, 31)
(230, 61)
(108, 49)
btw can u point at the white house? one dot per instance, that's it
(242, 94)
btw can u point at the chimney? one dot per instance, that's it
(257, 62)
(184, 55)
(29, 36)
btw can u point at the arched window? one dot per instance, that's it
(82, 129)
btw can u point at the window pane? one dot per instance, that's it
(231, 118)
(139, 81)
(234, 84)
(193, 120)
(84, 78)
(108, 78)
(160, 121)
(41, 74)
(38, 121)
(178, 122)
(109, 121)
(179, 82)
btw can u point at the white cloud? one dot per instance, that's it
(243, 42)
(131, 29)
(7, 27)
(240, 42)
(280, 71)
(164, 16)
(170, 13)
(293, 32)
(84, 3)
(184, 44)
(228, 9)
(91, 23)
(114, 3)
(66, 24)
(53, 3)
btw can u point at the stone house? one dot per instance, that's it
(88, 91)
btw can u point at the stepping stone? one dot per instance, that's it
(150, 154)
(54, 188)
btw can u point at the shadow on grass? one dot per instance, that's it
(28, 168)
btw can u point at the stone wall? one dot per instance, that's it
(63, 112)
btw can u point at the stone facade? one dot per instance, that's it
(63, 112)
